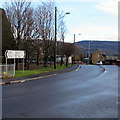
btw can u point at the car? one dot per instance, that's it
(99, 62)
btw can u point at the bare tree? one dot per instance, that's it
(33, 29)
(78, 53)
(20, 15)
(62, 30)
(44, 18)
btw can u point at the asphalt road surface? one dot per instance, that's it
(88, 92)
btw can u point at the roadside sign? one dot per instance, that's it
(15, 54)
(11, 54)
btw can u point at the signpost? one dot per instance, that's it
(11, 54)
(15, 54)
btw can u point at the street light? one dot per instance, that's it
(67, 13)
(56, 34)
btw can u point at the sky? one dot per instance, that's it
(93, 20)
(89, 19)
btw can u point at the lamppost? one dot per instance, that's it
(74, 47)
(55, 42)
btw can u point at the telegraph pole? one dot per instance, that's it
(74, 49)
(55, 42)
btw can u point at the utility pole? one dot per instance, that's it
(55, 42)
(89, 52)
(74, 49)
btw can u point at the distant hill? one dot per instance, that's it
(107, 47)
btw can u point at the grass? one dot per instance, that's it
(19, 73)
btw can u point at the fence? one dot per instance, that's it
(7, 70)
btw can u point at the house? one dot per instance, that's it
(58, 59)
(91, 56)
(97, 55)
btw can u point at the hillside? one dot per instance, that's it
(107, 47)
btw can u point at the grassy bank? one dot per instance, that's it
(19, 73)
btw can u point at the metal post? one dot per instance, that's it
(55, 38)
(6, 65)
(14, 68)
(23, 65)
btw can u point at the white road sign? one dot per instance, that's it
(11, 54)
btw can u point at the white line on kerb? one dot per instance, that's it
(118, 102)
(37, 78)
(29, 79)
(77, 68)
(105, 70)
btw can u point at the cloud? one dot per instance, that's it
(109, 7)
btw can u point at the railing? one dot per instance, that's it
(7, 70)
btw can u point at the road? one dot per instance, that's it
(88, 92)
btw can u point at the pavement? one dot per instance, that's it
(38, 76)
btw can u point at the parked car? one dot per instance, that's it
(99, 62)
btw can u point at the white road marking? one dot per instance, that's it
(30, 79)
(104, 72)
(118, 102)
(78, 68)
(36, 77)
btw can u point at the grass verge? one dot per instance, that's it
(19, 73)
